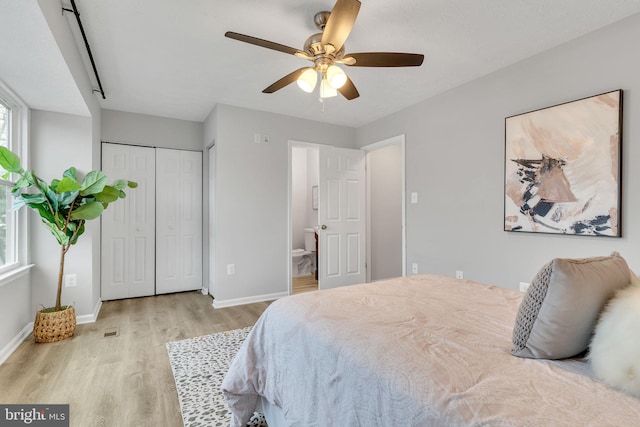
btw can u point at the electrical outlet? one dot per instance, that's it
(459, 274)
(231, 269)
(414, 268)
(524, 286)
(70, 280)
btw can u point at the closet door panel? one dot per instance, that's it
(179, 220)
(128, 225)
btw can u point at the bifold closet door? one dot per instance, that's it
(178, 220)
(128, 225)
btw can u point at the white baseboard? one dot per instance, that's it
(15, 342)
(90, 318)
(204, 291)
(247, 300)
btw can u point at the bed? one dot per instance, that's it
(416, 351)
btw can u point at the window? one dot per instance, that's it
(11, 122)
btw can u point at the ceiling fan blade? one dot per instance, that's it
(348, 90)
(286, 80)
(384, 59)
(264, 43)
(340, 22)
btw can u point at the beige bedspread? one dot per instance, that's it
(414, 351)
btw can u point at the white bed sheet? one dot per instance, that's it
(416, 351)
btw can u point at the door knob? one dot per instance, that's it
(324, 227)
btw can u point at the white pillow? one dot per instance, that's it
(615, 348)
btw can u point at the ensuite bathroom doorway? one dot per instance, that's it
(372, 201)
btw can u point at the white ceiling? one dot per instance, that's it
(171, 59)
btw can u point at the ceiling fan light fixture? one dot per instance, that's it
(336, 77)
(307, 80)
(326, 91)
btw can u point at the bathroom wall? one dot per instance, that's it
(304, 175)
(312, 180)
(299, 195)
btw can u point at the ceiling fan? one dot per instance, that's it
(326, 49)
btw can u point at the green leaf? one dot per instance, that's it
(93, 183)
(120, 184)
(65, 199)
(18, 202)
(108, 194)
(66, 185)
(79, 233)
(40, 184)
(60, 236)
(45, 213)
(71, 173)
(53, 198)
(88, 211)
(32, 200)
(9, 161)
(22, 182)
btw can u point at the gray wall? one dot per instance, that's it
(152, 131)
(455, 149)
(384, 168)
(59, 141)
(252, 197)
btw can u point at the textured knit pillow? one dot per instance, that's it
(560, 310)
(615, 349)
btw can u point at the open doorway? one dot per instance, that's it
(304, 217)
(330, 229)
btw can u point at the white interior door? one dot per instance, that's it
(341, 215)
(128, 225)
(178, 220)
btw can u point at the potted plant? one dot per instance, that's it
(64, 206)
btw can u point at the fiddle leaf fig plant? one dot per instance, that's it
(65, 204)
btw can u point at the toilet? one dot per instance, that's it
(303, 260)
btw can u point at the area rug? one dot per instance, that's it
(199, 366)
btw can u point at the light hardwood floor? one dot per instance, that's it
(123, 380)
(304, 284)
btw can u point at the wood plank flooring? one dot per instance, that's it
(123, 380)
(304, 284)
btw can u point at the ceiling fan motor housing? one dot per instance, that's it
(320, 19)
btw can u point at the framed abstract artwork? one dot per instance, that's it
(563, 168)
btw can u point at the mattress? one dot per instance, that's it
(416, 351)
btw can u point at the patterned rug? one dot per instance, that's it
(199, 366)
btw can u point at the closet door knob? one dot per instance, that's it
(324, 227)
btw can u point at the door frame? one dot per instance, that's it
(399, 139)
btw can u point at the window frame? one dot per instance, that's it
(18, 142)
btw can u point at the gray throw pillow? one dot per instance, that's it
(560, 310)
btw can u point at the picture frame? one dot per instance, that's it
(314, 197)
(562, 168)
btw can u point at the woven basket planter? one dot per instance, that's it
(55, 325)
